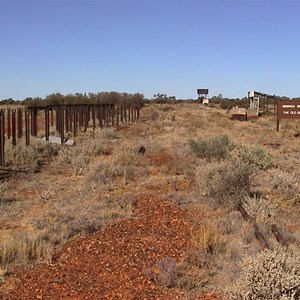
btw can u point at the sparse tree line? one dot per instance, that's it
(125, 98)
(79, 98)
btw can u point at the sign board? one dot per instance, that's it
(202, 91)
(288, 109)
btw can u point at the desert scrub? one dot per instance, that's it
(287, 186)
(127, 154)
(57, 224)
(21, 247)
(261, 210)
(74, 157)
(129, 162)
(44, 148)
(2, 274)
(207, 240)
(224, 184)
(213, 148)
(94, 147)
(168, 273)
(194, 272)
(154, 115)
(109, 134)
(6, 193)
(68, 219)
(79, 156)
(256, 158)
(167, 108)
(104, 173)
(269, 275)
(22, 155)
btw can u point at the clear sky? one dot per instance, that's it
(146, 46)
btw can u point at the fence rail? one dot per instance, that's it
(66, 119)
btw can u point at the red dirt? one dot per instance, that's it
(110, 264)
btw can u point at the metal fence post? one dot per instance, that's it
(20, 122)
(47, 131)
(13, 127)
(8, 124)
(2, 137)
(27, 128)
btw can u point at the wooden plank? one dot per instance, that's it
(278, 235)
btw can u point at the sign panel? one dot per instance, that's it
(288, 109)
(202, 91)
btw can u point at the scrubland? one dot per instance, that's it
(225, 164)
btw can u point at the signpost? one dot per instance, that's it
(202, 91)
(203, 95)
(288, 109)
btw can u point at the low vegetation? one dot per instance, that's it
(214, 148)
(206, 164)
(269, 274)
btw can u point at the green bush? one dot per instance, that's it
(254, 157)
(228, 183)
(217, 147)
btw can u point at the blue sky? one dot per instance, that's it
(170, 47)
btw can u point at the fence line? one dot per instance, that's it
(70, 118)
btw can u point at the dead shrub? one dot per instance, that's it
(154, 115)
(109, 134)
(261, 210)
(190, 277)
(131, 164)
(194, 272)
(207, 240)
(104, 173)
(23, 247)
(287, 186)
(79, 156)
(22, 155)
(167, 108)
(164, 273)
(6, 193)
(182, 275)
(270, 274)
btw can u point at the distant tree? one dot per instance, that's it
(86, 98)
(9, 101)
(29, 101)
(55, 98)
(163, 98)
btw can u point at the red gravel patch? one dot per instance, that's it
(110, 264)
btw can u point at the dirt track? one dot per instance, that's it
(111, 263)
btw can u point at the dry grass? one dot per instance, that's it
(26, 156)
(59, 222)
(80, 191)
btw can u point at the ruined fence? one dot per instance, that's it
(19, 123)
